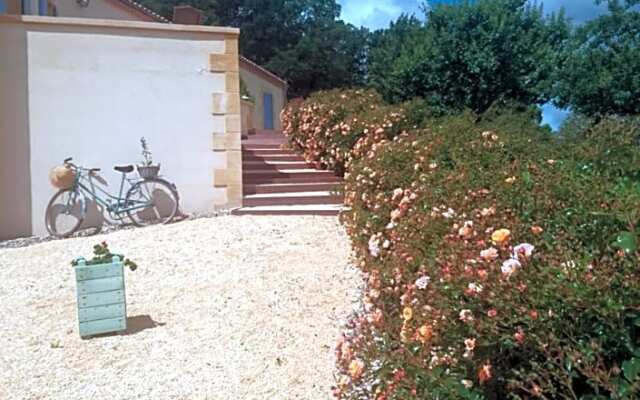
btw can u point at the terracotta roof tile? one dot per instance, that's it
(139, 7)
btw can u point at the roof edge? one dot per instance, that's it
(118, 23)
(265, 72)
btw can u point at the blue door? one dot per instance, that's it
(268, 110)
(3, 6)
(43, 7)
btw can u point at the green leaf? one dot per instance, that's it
(568, 364)
(631, 369)
(527, 179)
(626, 241)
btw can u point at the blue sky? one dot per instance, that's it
(376, 14)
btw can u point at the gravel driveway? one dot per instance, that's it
(220, 308)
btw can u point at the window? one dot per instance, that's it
(35, 7)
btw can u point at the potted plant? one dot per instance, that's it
(101, 295)
(147, 170)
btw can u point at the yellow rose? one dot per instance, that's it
(356, 367)
(501, 235)
(407, 313)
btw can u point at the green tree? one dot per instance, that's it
(328, 56)
(270, 26)
(476, 53)
(386, 45)
(600, 70)
(300, 40)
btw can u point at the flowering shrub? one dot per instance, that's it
(329, 126)
(492, 260)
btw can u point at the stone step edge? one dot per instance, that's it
(283, 195)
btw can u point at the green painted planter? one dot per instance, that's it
(102, 304)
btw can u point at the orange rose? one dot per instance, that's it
(425, 333)
(484, 374)
(536, 230)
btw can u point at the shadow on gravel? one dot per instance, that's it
(140, 323)
(135, 325)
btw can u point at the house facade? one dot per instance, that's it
(268, 91)
(88, 87)
(268, 94)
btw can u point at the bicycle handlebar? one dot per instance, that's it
(68, 163)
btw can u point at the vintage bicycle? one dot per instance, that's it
(148, 200)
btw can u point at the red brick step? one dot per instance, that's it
(289, 187)
(278, 181)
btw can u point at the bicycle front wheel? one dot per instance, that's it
(151, 201)
(65, 213)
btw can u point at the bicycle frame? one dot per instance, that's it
(86, 186)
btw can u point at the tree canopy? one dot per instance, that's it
(601, 64)
(302, 41)
(386, 46)
(469, 54)
(475, 53)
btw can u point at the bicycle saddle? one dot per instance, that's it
(124, 168)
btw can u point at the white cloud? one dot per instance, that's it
(376, 14)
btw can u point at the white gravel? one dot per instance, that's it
(243, 308)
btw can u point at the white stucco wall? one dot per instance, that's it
(92, 97)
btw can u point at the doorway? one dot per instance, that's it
(268, 110)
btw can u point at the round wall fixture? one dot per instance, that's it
(83, 3)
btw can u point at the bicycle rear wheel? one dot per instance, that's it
(152, 201)
(65, 213)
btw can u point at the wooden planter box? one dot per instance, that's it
(102, 304)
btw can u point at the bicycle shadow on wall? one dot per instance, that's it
(98, 218)
(86, 207)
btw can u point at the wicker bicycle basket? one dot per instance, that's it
(148, 171)
(62, 177)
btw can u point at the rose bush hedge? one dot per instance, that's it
(492, 266)
(326, 126)
(501, 261)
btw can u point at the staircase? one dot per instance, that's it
(277, 181)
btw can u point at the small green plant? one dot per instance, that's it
(245, 93)
(102, 255)
(147, 159)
